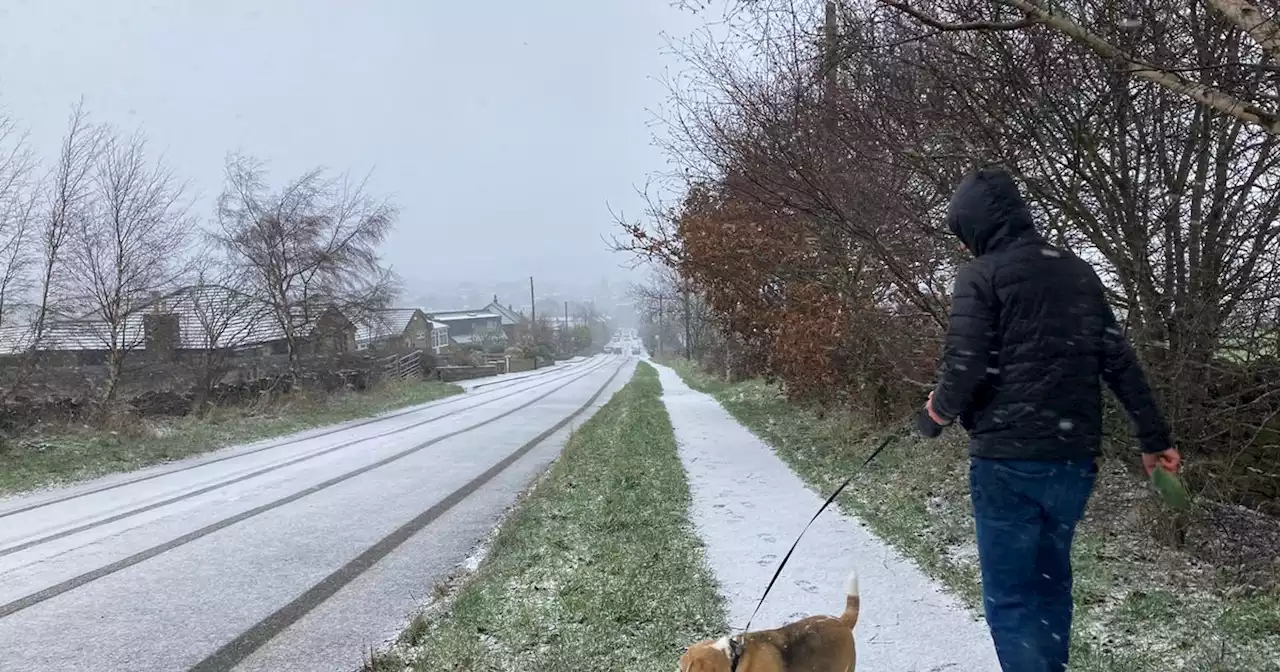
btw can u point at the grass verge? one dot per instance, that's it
(77, 453)
(599, 567)
(1140, 607)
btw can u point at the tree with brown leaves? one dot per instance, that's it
(818, 171)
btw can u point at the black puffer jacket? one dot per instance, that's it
(1030, 338)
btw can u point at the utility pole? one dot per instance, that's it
(533, 323)
(564, 333)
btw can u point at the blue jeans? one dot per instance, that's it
(1026, 513)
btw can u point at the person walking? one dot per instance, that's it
(1030, 340)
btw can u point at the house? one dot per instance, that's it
(559, 323)
(209, 317)
(473, 327)
(598, 325)
(331, 333)
(65, 342)
(393, 329)
(190, 319)
(402, 328)
(510, 318)
(439, 337)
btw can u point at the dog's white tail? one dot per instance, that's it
(852, 601)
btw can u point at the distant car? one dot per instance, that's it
(635, 351)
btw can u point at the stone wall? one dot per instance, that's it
(450, 374)
(54, 392)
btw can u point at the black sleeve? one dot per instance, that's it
(1123, 374)
(971, 335)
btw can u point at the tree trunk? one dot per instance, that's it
(115, 362)
(211, 373)
(688, 327)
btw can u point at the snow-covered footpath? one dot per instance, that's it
(749, 506)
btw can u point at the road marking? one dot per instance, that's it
(234, 652)
(280, 444)
(244, 477)
(88, 577)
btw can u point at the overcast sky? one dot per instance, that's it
(502, 129)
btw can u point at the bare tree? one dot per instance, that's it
(1123, 36)
(825, 163)
(672, 304)
(223, 313)
(17, 210)
(128, 247)
(307, 248)
(66, 206)
(597, 325)
(536, 338)
(35, 260)
(491, 340)
(1173, 201)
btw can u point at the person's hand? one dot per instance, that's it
(1169, 459)
(933, 415)
(925, 425)
(928, 423)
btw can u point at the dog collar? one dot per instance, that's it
(736, 648)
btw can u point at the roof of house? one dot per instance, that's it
(392, 321)
(384, 323)
(217, 316)
(461, 315)
(70, 335)
(207, 314)
(223, 317)
(509, 317)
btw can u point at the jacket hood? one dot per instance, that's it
(987, 211)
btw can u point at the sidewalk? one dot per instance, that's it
(748, 507)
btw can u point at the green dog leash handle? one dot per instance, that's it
(1170, 488)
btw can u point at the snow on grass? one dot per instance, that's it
(1140, 606)
(598, 566)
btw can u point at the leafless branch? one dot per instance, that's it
(938, 24)
(17, 212)
(127, 248)
(308, 248)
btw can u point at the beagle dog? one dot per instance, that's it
(814, 644)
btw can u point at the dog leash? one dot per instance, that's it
(883, 444)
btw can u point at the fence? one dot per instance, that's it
(500, 362)
(403, 366)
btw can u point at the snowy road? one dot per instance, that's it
(748, 507)
(294, 554)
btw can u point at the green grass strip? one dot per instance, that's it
(599, 568)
